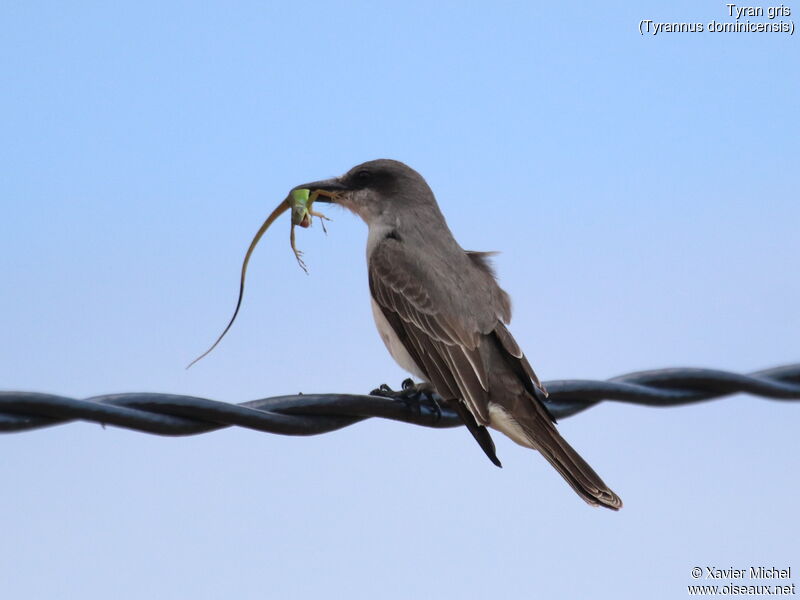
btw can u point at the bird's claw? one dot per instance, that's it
(412, 395)
(383, 390)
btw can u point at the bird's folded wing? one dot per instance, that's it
(427, 314)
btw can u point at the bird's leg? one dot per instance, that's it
(413, 395)
(417, 392)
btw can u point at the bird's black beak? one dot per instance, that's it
(325, 185)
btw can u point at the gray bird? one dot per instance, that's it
(442, 316)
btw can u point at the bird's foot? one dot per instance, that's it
(384, 391)
(414, 395)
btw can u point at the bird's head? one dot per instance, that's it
(376, 190)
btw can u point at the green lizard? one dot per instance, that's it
(302, 214)
(300, 202)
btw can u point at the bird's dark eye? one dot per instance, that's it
(363, 177)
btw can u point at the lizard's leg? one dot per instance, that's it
(322, 218)
(298, 254)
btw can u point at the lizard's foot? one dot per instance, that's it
(322, 219)
(298, 254)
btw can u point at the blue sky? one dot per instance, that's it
(642, 191)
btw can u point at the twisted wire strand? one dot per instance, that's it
(313, 414)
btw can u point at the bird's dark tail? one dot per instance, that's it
(578, 473)
(535, 430)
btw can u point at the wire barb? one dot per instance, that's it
(313, 414)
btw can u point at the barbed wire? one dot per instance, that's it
(312, 414)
